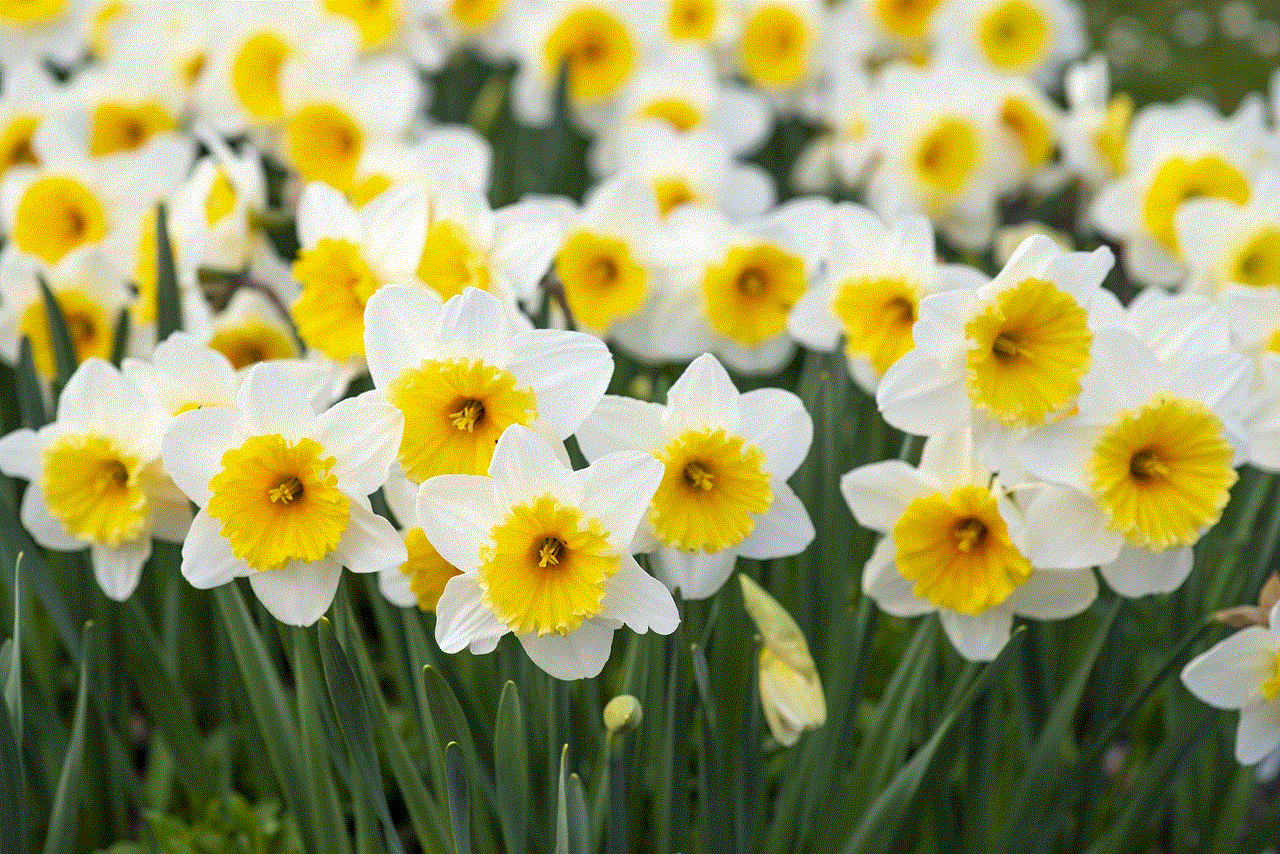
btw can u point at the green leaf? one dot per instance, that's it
(353, 719)
(120, 337)
(64, 350)
(459, 799)
(64, 813)
(168, 302)
(30, 395)
(579, 819)
(13, 679)
(14, 539)
(886, 815)
(511, 770)
(562, 806)
(13, 818)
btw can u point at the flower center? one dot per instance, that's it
(1014, 36)
(454, 412)
(1257, 262)
(545, 567)
(251, 342)
(602, 281)
(691, 20)
(278, 501)
(1179, 179)
(1162, 473)
(15, 143)
(672, 191)
(126, 127)
(908, 19)
(324, 144)
(376, 20)
(1028, 351)
(221, 199)
(1035, 136)
(713, 488)
(598, 48)
(774, 50)
(329, 312)
(94, 489)
(957, 550)
(450, 263)
(677, 112)
(751, 291)
(877, 315)
(255, 75)
(55, 215)
(947, 155)
(91, 334)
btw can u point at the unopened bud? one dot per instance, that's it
(790, 690)
(622, 714)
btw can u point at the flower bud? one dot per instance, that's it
(622, 714)
(790, 690)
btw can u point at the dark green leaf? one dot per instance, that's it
(511, 770)
(459, 800)
(30, 395)
(64, 812)
(168, 301)
(64, 350)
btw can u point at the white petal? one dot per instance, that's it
(702, 397)
(920, 395)
(300, 593)
(20, 454)
(617, 489)
(525, 466)
(395, 225)
(399, 325)
(364, 437)
(1259, 732)
(370, 542)
(193, 446)
(1064, 529)
(1137, 571)
(1054, 594)
(118, 569)
(324, 212)
(272, 401)
(785, 530)
(978, 637)
(1060, 454)
(581, 654)
(697, 575)
(892, 592)
(457, 513)
(99, 399)
(776, 421)
(1227, 675)
(879, 493)
(395, 586)
(44, 529)
(619, 424)
(460, 617)
(639, 600)
(473, 325)
(207, 560)
(569, 372)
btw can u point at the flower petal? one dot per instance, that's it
(617, 489)
(1137, 571)
(978, 637)
(776, 421)
(1227, 675)
(118, 569)
(207, 560)
(399, 327)
(1259, 732)
(193, 446)
(639, 600)
(621, 424)
(461, 619)
(569, 372)
(525, 466)
(370, 543)
(785, 530)
(364, 437)
(697, 575)
(702, 397)
(581, 654)
(456, 512)
(879, 493)
(300, 593)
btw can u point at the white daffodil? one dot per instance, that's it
(30, 96)
(1243, 672)
(220, 201)
(440, 153)
(52, 29)
(777, 47)
(845, 151)
(1031, 129)
(1096, 127)
(347, 255)
(790, 689)
(463, 373)
(283, 492)
(1254, 317)
(682, 90)
(708, 24)
(871, 288)
(1007, 357)
(1027, 38)
(1150, 461)
(954, 545)
(440, 27)
(1225, 243)
(419, 581)
(544, 554)
(95, 475)
(379, 23)
(734, 286)
(898, 28)
(127, 102)
(89, 291)
(250, 330)
(938, 133)
(183, 374)
(727, 457)
(1174, 153)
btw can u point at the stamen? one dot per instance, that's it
(471, 414)
(116, 472)
(1005, 347)
(286, 491)
(550, 553)
(699, 476)
(1145, 466)
(751, 282)
(970, 533)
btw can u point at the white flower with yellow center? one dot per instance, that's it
(332, 114)
(682, 91)
(938, 133)
(347, 255)
(463, 373)
(378, 22)
(1254, 317)
(954, 545)
(735, 286)
(95, 477)
(172, 40)
(183, 374)
(870, 291)
(545, 555)
(1095, 130)
(71, 200)
(30, 96)
(1150, 461)
(727, 458)
(283, 492)
(1175, 153)
(1008, 357)
(777, 47)
(601, 44)
(251, 330)
(694, 168)
(900, 25)
(455, 152)
(708, 24)
(241, 86)
(220, 200)
(1026, 38)
(1225, 243)
(1030, 130)
(128, 103)
(444, 26)
(90, 293)
(1243, 672)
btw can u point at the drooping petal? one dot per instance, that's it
(978, 637)
(118, 569)
(785, 530)
(370, 543)
(300, 593)
(639, 600)
(461, 619)
(581, 654)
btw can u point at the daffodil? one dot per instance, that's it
(1027, 38)
(955, 543)
(545, 554)
(1225, 243)
(790, 689)
(183, 374)
(727, 456)
(462, 374)
(283, 492)
(96, 480)
(1095, 130)
(777, 47)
